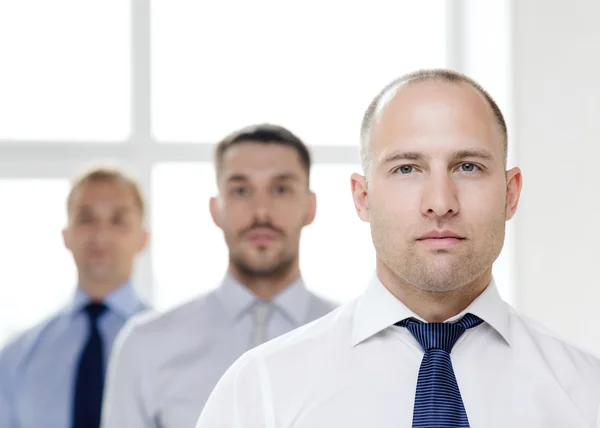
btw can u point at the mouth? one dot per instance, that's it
(441, 239)
(100, 259)
(261, 237)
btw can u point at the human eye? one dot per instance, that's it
(469, 167)
(239, 191)
(404, 169)
(281, 189)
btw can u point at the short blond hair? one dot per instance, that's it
(107, 173)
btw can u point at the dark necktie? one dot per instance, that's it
(89, 381)
(438, 402)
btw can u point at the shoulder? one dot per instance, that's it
(320, 305)
(311, 339)
(560, 355)
(262, 370)
(152, 326)
(22, 345)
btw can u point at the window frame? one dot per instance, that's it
(141, 151)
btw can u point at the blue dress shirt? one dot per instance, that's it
(38, 367)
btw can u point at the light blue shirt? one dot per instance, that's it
(38, 368)
(164, 367)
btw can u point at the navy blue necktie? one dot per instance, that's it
(89, 382)
(438, 402)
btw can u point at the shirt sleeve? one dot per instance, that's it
(8, 418)
(126, 391)
(240, 399)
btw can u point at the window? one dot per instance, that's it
(64, 75)
(76, 75)
(313, 66)
(37, 271)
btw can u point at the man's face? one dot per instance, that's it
(105, 231)
(438, 195)
(264, 202)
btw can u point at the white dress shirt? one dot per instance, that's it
(164, 366)
(354, 369)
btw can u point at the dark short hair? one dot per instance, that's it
(266, 134)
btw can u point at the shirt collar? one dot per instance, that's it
(293, 301)
(378, 309)
(122, 301)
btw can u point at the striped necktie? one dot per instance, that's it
(438, 402)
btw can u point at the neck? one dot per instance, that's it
(433, 306)
(266, 287)
(98, 290)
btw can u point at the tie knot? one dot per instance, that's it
(439, 335)
(261, 312)
(94, 310)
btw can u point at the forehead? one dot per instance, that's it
(434, 115)
(261, 161)
(103, 193)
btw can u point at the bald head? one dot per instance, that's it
(442, 76)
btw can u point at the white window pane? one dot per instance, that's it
(487, 51)
(188, 250)
(65, 69)
(190, 255)
(312, 66)
(337, 255)
(37, 273)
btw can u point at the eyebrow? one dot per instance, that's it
(117, 208)
(456, 156)
(237, 177)
(472, 154)
(288, 176)
(396, 156)
(87, 209)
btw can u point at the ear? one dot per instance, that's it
(66, 238)
(144, 240)
(514, 183)
(360, 195)
(214, 211)
(312, 209)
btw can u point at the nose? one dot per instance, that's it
(440, 197)
(261, 207)
(102, 232)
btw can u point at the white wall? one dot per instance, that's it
(556, 113)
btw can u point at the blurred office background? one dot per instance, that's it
(151, 85)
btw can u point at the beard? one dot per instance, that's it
(279, 267)
(263, 262)
(442, 270)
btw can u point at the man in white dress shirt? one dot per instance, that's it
(164, 367)
(430, 343)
